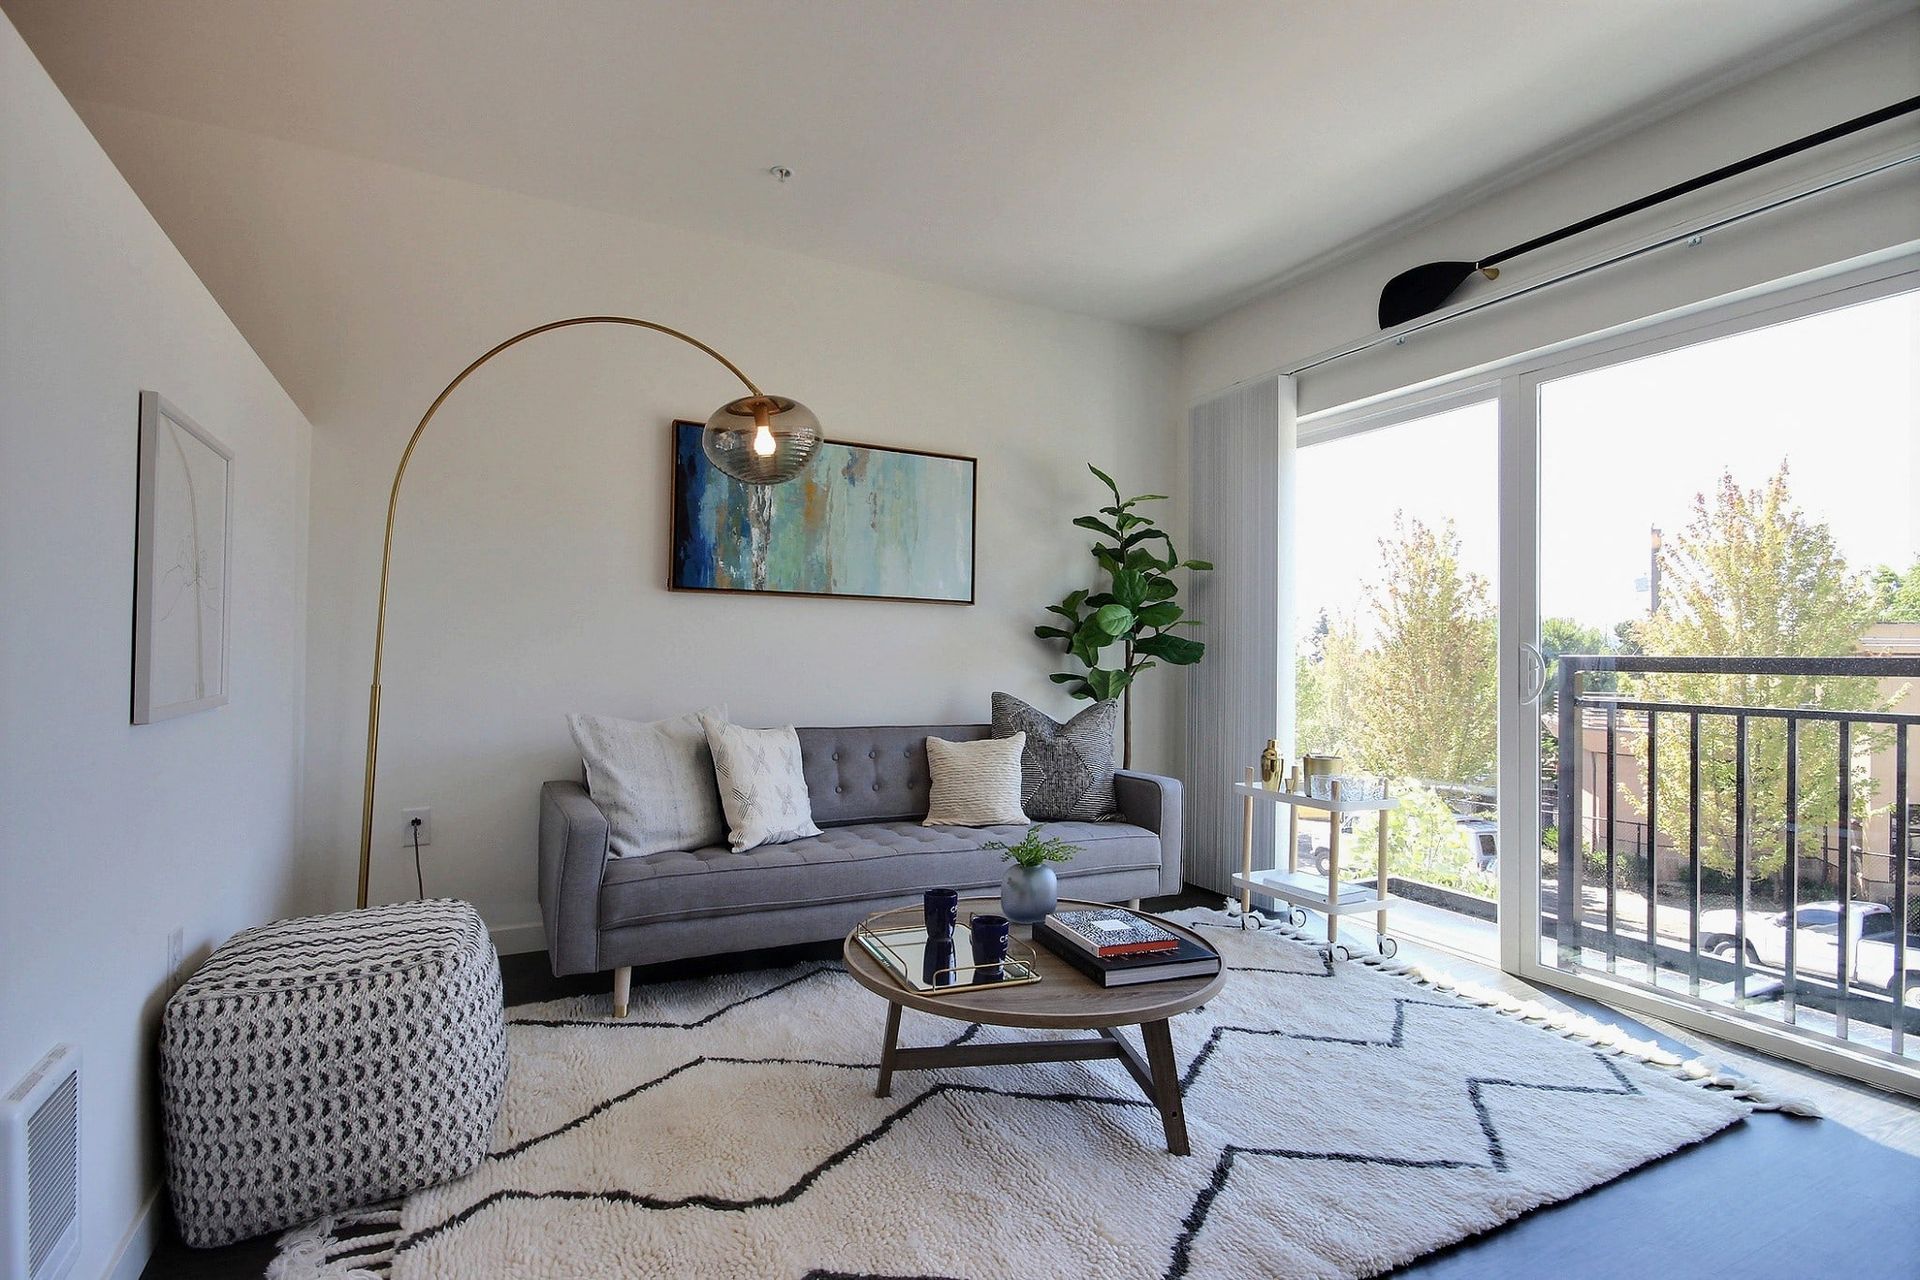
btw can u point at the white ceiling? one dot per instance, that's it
(1155, 161)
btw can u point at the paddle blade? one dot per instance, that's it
(1415, 292)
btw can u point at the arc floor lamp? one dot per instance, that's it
(757, 439)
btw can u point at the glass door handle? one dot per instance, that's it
(1533, 673)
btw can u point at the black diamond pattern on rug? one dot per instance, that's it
(660, 1128)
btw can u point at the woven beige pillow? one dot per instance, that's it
(975, 784)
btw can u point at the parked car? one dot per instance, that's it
(1816, 943)
(1312, 849)
(1483, 835)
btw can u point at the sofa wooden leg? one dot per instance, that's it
(622, 986)
(1133, 904)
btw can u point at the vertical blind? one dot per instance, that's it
(1242, 693)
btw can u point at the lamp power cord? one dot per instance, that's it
(419, 878)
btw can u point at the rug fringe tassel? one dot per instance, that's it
(306, 1253)
(1562, 1022)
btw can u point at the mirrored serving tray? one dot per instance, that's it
(903, 950)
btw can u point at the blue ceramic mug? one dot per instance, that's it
(942, 908)
(989, 935)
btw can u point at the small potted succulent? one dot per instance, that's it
(1031, 891)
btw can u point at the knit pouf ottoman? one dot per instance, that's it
(327, 1062)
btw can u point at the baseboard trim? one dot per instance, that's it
(512, 939)
(137, 1246)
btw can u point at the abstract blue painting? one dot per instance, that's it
(861, 520)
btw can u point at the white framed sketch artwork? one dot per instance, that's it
(182, 541)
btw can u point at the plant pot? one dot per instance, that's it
(1029, 894)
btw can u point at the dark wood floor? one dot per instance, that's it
(1773, 1197)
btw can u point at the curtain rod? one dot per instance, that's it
(1400, 333)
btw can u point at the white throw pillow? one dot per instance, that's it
(762, 787)
(975, 784)
(653, 781)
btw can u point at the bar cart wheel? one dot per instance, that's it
(1389, 947)
(1297, 917)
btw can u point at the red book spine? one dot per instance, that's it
(1139, 948)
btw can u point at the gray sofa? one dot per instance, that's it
(868, 787)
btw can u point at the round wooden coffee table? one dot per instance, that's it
(1063, 998)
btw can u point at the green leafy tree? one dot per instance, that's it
(1132, 614)
(1426, 708)
(1564, 635)
(1330, 670)
(1426, 842)
(1414, 697)
(1752, 575)
(1897, 595)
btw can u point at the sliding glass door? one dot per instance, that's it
(1678, 573)
(1395, 590)
(1712, 546)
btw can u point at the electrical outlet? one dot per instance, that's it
(406, 827)
(176, 957)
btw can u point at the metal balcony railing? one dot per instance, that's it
(1631, 720)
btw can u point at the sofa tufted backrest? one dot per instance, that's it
(872, 773)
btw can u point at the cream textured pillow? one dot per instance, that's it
(762, 787)
(653, 781)
(975, 784)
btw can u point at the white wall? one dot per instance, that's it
(112, 834)
(532, 536)
(1337, 303)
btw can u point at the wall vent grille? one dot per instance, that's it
(40, 1170)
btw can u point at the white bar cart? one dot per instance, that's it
(1301, 889)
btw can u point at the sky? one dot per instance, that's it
(1623, 448)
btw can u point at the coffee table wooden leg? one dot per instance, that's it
(887, 1049)
(1166, 1084)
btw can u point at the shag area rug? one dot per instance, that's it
(1345, 1118)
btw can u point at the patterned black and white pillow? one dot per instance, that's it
(1066, 771)
(762, 787)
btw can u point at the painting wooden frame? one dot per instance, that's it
(691, 471)
(183, 570)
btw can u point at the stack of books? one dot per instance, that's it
(1119, 949)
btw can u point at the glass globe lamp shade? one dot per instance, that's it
(761, 439)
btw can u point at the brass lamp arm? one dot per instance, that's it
(386, 549)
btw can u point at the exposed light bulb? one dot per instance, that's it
(743, 440)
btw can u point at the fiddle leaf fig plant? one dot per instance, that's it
(1129, 622)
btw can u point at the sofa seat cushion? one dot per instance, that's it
(848, 864)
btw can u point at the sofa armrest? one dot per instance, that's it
(573, 861)
(1151, 801)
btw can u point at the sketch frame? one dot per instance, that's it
(675, 530)
(154, 410)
